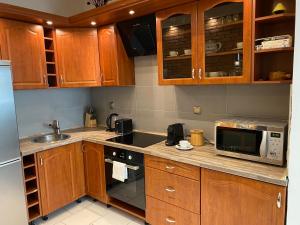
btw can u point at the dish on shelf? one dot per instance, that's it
(216, 74)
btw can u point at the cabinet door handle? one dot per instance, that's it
(45, 79)
(193, 73)
(170, 189)
(170, 220)
(170, 167)
(279, 200)
(41, 161)
(61, 78)
(200, 74)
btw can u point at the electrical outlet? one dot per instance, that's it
(197, 110)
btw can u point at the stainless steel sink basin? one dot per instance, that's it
(48, 138)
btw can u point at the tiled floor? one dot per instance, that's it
(89, 212)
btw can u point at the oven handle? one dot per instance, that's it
(128, 166)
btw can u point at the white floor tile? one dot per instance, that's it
(99, 208)
(83, 217)
(89, 212)
(114, 217)
(55, 217)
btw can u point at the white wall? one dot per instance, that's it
(58, 7)
(294, 156)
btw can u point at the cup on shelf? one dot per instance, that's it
(173, 53)
(187, 51)
(239, 45)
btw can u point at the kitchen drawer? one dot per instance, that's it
(161, 213)
(173, 189)
(173, 167)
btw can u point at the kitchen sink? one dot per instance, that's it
(48, 138)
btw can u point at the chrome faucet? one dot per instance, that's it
(56, 127)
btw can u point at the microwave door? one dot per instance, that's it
(264, 144)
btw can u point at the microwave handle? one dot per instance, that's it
(263, 146)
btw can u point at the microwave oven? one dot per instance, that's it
(259, 141)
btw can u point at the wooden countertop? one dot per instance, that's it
(200, 156)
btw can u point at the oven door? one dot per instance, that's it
(132, 191)
(241, 142)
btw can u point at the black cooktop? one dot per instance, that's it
(138, 139)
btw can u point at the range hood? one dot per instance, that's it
(139, 35)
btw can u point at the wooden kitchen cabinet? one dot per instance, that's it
(177, 45)
(23, 45)
(197, 43)
(222, 24)
(95, 171)
(61, 176)
(117, 69)
(232, 200)
(78, 57)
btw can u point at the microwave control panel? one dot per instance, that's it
(275, 145)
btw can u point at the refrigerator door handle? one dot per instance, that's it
(7, 163)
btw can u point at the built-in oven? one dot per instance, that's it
(132, 190)
(259, 141)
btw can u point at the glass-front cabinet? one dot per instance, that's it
(208, 42)
(225, 41)
(177, 45)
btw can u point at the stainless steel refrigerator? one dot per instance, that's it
(12, 198)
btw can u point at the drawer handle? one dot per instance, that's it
(279, 198)
(170, 167)
(170, 220)
(170, 189)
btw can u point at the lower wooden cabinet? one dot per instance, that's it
(159, 212)
(94, 171)
(176, 190)
(233, 200)
(61, 176)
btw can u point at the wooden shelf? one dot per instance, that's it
(49, 50)
(32, 203)
(51, 63)
(233, 52)
(272, 82)
(181, 57)
(29, 177)
(48, 38)
(34, 213)
(51, 74)
(228, 25)
(29, 165)
(127, 208)
(276, 18)
(273, 50)
(31, 191)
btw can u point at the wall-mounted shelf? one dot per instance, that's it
(290, 49)
(52, 78)
(276, 18)
(181, 57)
(233, 52)
(227, 25)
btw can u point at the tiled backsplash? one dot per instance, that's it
(38, 107)
(154, 107)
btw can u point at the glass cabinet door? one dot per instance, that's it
(176, 29)
(227, 41)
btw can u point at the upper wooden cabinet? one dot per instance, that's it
(117, 69)
(233, 200)
(177, 45)
(224, 39)
(205, 43)
(23, 44)
(78, 57)
(61, 176)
